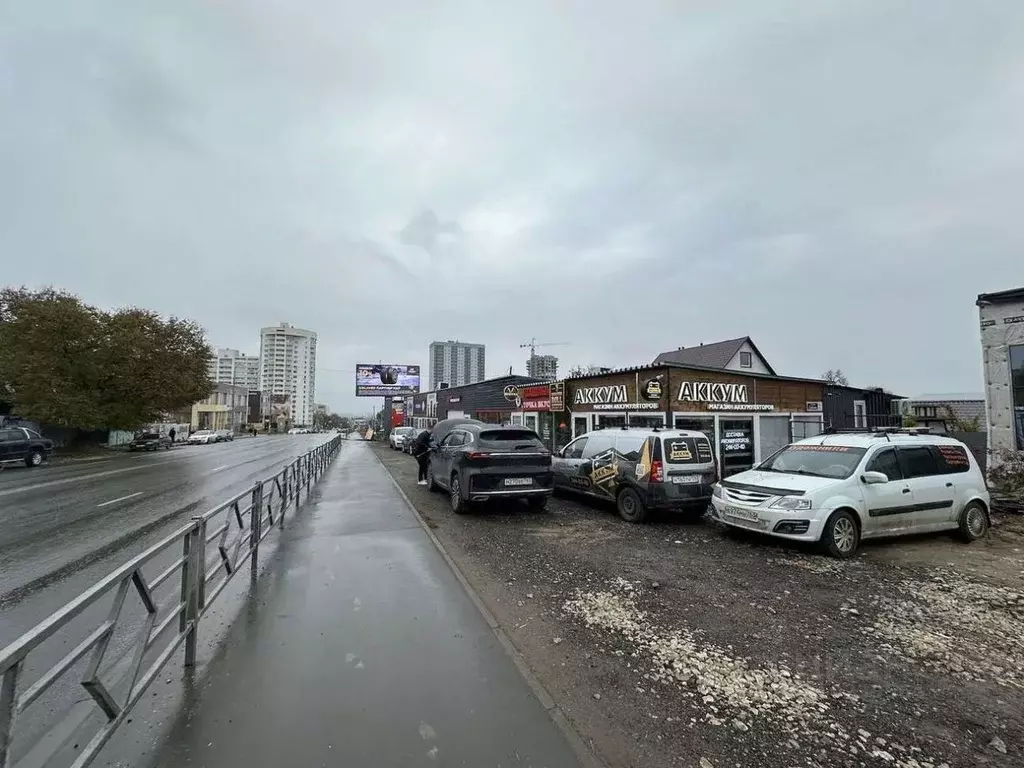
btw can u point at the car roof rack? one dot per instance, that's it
(885, 432)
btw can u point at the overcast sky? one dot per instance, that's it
(837, 180)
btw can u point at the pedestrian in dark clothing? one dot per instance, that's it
(421, 450)
(171, 435)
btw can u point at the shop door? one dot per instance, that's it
(736, 448)
(580, 425)
(530, 422)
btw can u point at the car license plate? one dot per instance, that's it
(741, 513)
(518, 481)
(686, 479)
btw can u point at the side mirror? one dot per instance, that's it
(874, 478)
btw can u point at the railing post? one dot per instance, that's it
(284, 500)
(255, 527)
(193, 587)
(8, 711)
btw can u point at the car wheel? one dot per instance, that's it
(459, 505)
(631, 506)
(431, 482)
(973, 522)
(537, 503)
(840, 537)
(34, 459)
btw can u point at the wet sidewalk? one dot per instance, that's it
(362, 650)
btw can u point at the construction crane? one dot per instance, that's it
(532, 345)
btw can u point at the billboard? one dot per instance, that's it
(383, 380)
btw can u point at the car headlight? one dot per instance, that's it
(792, 502)
(716, 491)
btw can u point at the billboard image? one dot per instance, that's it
(383, 380)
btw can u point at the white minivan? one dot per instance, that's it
(840, 488)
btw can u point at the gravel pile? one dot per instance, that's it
(956, 625)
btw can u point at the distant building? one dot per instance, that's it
(227, 407)
(456, 363)
(946, 412)
(229, 366)
(288, 369)
(542, 367)
(740, 355)
(1001, 317)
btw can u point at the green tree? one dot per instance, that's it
(66, 363)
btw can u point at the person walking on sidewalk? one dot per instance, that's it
(171, 435)
(421, 451)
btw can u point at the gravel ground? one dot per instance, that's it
(672, 644)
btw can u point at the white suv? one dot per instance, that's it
(838, 489)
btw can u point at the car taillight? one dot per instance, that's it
(657, 472)
(475, 455)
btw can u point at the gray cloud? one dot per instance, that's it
(836, 181)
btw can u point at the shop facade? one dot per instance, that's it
(746, 417)
(492, 401)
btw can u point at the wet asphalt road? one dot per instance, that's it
(67, 525)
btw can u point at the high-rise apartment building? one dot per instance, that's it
(456, 363)
(229, 366)
(542, 367)
(288, 367)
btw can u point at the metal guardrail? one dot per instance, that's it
(235, 528)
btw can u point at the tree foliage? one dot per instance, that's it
(836, 377)
(65, 363)
(330, 421)
(585, 370)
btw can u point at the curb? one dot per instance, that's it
(586, 757)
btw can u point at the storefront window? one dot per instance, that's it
(697, 424)
(580, 425)
(1017, 382)
(806, 426)
(736, 447)
(646, 420)
(774, 434)
(609, 422)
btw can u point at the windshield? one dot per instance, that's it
(203, 432)
(403, 431)
(834, 461)
(148, 436)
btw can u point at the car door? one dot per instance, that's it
(890, 506)
(598, 465)
(17, 445)
(566, 465)
(8, 438)
(445, 454)
(933, 492)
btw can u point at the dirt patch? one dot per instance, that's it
(671, 643)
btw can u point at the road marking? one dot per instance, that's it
(80, 478)
(218, 469)
(123, 498)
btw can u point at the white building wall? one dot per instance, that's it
(757, 364)
(288, 367)
(1002, 326)
(229, 366)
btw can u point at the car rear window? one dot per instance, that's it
(687, 450)
(952, 459)
(148, 436)
(511, 438)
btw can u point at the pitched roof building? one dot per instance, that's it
(740, 355)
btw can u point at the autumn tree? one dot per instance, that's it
(836, 377)
(65, 363)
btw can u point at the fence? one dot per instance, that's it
(234, 528)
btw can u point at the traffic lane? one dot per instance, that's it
(56, 535)
(46, 716)
(47, 502)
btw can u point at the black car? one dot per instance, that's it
(150, 441)
(18, 444)
(478, 462)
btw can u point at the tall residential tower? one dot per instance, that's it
(229, 366)
(455, 363)
(288, 367)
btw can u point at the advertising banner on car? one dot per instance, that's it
(386, 380)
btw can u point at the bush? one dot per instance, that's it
(1006, 473)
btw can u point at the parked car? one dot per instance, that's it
(150, 441)
(225, 435)
(203, 437)
(399, 436)
(19, 444)
(640, 469)
(478, 462)
(839, 489)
